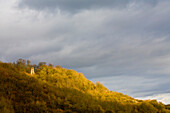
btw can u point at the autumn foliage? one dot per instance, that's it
(59, 90)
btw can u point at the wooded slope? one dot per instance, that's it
(56, 90)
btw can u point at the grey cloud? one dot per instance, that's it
(75, 6)
(136, 86)
(72, 5)
(165, 97)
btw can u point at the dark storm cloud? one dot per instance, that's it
(115, 42)
(76, 5)
(72, 5)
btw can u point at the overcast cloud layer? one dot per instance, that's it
(123, 44)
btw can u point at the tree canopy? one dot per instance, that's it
(56, 90)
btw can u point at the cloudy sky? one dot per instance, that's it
(124, 44)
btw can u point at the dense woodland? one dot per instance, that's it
(53, 89)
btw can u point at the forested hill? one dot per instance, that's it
(59, 90)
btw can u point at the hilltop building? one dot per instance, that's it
(32, 71)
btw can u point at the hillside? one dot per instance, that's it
(59, 90)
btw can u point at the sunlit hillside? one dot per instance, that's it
(53, 89)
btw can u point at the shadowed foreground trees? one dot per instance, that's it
(56, 90)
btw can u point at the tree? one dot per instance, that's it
(51, 65)
(28, 62)
(21, 64)
(41, 63)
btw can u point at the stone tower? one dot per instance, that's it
(32, 71)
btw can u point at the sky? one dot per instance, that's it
(124, 44)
